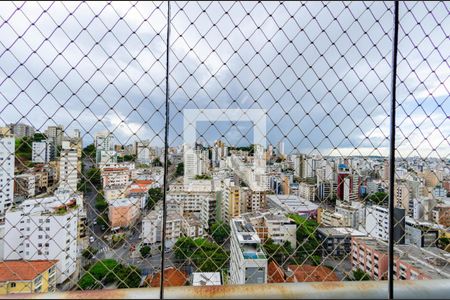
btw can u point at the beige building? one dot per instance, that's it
(123, 212)
(231, 201)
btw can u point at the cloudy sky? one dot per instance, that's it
(321, 71)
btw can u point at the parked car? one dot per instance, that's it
(91, 239)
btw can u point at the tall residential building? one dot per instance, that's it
(68, 173)
(196, 162)
(25, 185)
(280, 148)
(44, 228)
(143, 152)
(402, 195)
(102, 142)
(377, 223)
(55, 133)
(231, 201)
(344, 182)
(7, 151)
(21, 130)
(43, 151)
(248, 263)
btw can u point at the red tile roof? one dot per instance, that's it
(275, 273)
(17, 270)
(172, 277)
(307, 273)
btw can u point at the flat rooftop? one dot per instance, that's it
(340, 231)
(206, 278)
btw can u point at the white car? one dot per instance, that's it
(91, 239)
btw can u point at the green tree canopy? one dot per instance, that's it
(220, 232)
(154, 195)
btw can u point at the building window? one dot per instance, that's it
(13, 284)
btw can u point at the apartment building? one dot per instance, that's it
(44, 228)
(21, 130)
(115, 176)
(248, 263)
(152, 224)
(293, 204)
(102, 142)
(27, 276)
(231, 200)
(330, 218)
(25, 185)
(43, 152)
(273, 224)
(55, 134)
(377, 223)
(307, 191)
(336, 241)
(7, 151)
(441, 214)
(410, 262)
(203, 204)
(68, 172)
(124, 212)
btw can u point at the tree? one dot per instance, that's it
(145, 251)
(100, 203)
(89, 151)
(89, 252)
(443, 242)
(154, 195)
(277, 252)
(128, 277)
(180, 169)
(206, 256)
(126, 158)
(378, 198)
(308, 244)
(109, 271)
(157, 162)
(103, 219)
(94, 177)
(102, 272)
(360, 275)
(220, 232)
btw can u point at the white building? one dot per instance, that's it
(196, 162)
(68, 172)
(292, 204)
(106, 157)
(55, 134)
(248, 263)
(143, 152)
(152, 224)
(7, 151)
(273, 224)
(42, 152)
(377, 223)
(102, 142)
(202, 204)
(44, 228)
(25, 185)
(206, 278)
(307, 191)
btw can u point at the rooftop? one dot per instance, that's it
(172, 277)
(307, 273)
(206, 278)
(340, 231)
(20, 270)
